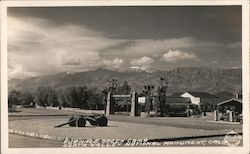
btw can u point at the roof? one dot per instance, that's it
(195, 94)
(233, 99)
(202, 95)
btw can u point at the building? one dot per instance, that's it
(233, 104)
(205, 101)
(177, 106)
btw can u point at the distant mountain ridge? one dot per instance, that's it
(180, 79)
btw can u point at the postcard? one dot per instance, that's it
(124, 76)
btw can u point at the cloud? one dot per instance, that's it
(142, 61)
(72, 61)
(154, 48)
(175, 56)
(18, 71)
(70, 58)
(150, 47)
(113, 64)
(137, 68)
(40, 45)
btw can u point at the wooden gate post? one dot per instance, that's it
(134, 105)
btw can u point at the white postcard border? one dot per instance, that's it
(194, 150)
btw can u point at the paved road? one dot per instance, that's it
(182, 122)
(19, 141)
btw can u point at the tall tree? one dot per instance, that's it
(27, 98)
(61, 97)
(162, 90)
(124, 88)
(14, 98)
(113, 86)
(148, 89)
(41, 96)
(52, 98)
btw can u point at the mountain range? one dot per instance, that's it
(200, 79)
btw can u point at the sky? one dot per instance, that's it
(49, 40)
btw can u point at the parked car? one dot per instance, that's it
(178, 110)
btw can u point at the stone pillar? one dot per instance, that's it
(134, 105)
(231, 117)
(110, 104)
(155, 105)
(216, 117)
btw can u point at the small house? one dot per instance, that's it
(233, 104)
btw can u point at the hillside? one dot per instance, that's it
(180, 79)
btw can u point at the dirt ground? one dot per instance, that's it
(42, 121)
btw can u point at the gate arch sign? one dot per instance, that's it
(134, 103)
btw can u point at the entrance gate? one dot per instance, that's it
(110, 107)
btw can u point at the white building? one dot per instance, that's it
(202, 99)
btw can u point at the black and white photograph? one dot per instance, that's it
(125, 76)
